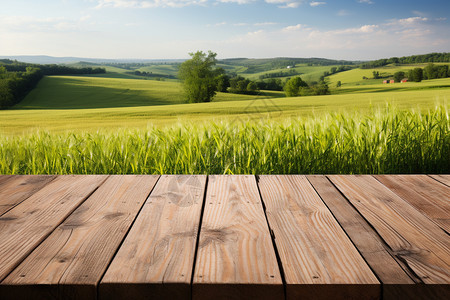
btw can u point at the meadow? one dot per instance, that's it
(118, 123)
(65, 103)
(379, 141)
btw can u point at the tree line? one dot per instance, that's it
(17, 79)
(413, 59)
(14, 86)
(291, 72)
(431, 71)
(334, 70)
(151, 74)
(15, 66)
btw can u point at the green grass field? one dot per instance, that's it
(307, 73)
(90, 104)
(116, 124)
(76, 92)
(355, 76)
(377, 141)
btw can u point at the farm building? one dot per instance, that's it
(404, 80)
(385, 81)
(392, 81)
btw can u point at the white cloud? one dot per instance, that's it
(286, 3)
(366, 1)
(265, 24)
(236, 1)
(152, 3)
(316, 3)
(407, 22)
(293, 27)
(277, 1)
(362, 29)
(369, 41)
(183, 3)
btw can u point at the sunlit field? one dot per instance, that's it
(89, 104)
(378, 141)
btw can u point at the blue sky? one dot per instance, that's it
(162, 29)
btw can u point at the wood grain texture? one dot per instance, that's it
(413, 238)
(16, 188)
(319, 260)
(430, 197)
(445, 179)
(157, 256)
(72, 260)
(235, 258)
(26, 225)
(392, 272)
(4, 178)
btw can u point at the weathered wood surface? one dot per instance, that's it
(224, 237)
(15, 189)
(235, 257)
(72, 260)
(445, 179)
(319, 260)
(414, 238)
(157, 256)
(25, 226)
(424, 193)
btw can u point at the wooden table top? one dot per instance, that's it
(225, 237)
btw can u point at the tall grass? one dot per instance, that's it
(382, 141)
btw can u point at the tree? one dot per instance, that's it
(292, 86)
(252, 87)
(321, 88)
(415, 74)
(223, 83)
(376, 75)
(338, 84)
(430, 71)
(198, 76)
(398, 76)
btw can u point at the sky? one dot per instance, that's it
(171, 29)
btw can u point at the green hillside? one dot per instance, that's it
(355, 76)
(76, 92)
(84, 103)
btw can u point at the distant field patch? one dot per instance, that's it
(355, 76)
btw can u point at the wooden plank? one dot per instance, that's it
(318, 259)
(16, 188)
(72, 260)
(157, 256)
(235, 258)
(26, 225)
(430, 197)
(445, 179)
(413, 238)
(4, 178)
(394, 275)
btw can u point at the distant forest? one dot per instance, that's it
(413, 59)
(17, 79)
(53, 69)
